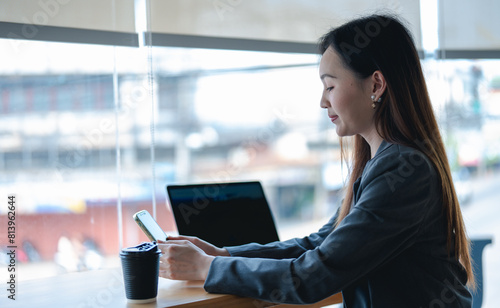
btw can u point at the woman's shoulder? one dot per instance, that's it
(387, 149)
(401, 170)
(400, 161)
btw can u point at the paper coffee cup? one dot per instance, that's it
(140, 266)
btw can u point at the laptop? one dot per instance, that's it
(223, 214)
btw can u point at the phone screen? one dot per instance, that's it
(149, 226)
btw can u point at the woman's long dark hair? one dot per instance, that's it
(405, 115)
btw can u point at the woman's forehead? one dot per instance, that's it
(330, 63)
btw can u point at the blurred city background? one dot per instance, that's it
(91, 134)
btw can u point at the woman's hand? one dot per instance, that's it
(208, 248)
(183, 260)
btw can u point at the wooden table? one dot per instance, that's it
(104, 288)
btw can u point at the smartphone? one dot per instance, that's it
(149, 225)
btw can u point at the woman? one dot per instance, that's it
(398, 239)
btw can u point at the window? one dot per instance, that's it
(91, 132)
(79, 155)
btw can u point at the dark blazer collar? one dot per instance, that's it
(384, 145)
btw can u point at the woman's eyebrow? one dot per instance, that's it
(323, 76)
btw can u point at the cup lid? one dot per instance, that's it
(143, 248)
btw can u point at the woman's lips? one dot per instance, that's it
(333, 118)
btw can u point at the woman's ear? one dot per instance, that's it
(378, 84)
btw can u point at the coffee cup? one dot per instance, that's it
(140, 266)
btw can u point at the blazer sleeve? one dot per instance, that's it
(396, 194)
(292, 248)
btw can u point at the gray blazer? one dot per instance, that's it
(390, 251)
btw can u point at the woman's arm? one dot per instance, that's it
(292, 248)
(190, 258)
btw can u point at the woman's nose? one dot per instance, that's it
(323, 102)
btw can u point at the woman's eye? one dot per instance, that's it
(329, 89)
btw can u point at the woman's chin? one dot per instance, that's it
(340, 132)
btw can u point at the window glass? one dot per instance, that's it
(466, 98)
(90, 136)
(236, 116)
(60, 134)
(78, 141)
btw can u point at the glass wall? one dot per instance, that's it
(466, 98)
(65, 118)
(92, 133)
(90, 136)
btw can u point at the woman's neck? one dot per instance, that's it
(374, 140)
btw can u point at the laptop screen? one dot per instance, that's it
(223, 214)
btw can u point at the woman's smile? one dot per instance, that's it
(333, 117)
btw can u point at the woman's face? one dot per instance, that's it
(346, 97)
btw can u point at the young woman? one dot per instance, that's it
(398, 239)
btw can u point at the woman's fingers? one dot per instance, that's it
(179, 237)
(208, 248)
(182, 260)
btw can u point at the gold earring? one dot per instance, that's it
(373, 99)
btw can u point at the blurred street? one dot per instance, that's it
(482, 217)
